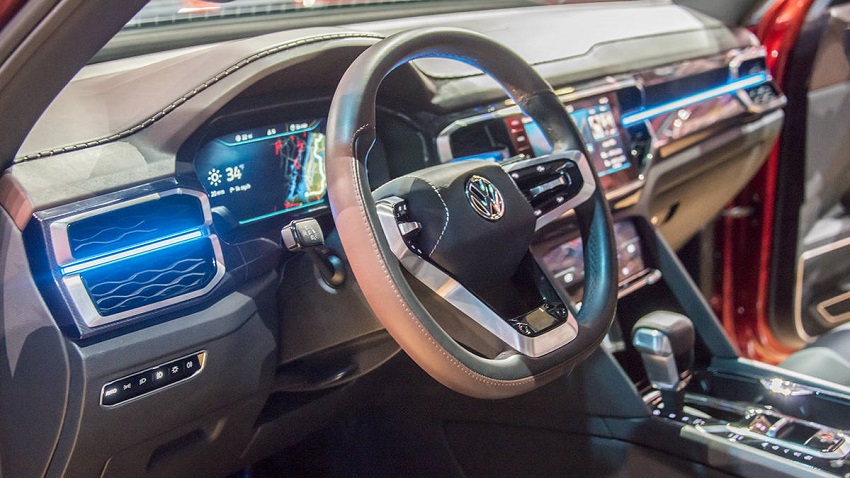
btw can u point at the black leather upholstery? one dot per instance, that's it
(474, 250)
(827, 358)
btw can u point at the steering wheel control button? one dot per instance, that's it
(302, 234)
(409, 228)
(152, 379)
(551, 184)
(401, 211)
(485, 198)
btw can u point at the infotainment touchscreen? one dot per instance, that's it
(598, 121)
(261, 172)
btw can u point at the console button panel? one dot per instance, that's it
(152, 379)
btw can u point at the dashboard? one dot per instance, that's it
(178, 205)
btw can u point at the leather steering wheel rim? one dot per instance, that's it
(350, 136)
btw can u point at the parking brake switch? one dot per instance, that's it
(665, 341)
(306, 235)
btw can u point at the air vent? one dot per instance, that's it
(147, 221)
(751, 67)
(132, 255)
(151, 277)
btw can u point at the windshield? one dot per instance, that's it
(159, 12)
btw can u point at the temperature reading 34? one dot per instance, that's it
(234, 173)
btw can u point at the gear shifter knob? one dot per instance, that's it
(665, 341)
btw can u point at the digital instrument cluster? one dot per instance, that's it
(263, 172)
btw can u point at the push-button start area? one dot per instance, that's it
(474, 222)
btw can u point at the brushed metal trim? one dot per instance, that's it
(464, 300)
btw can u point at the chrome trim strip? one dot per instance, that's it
(750, 53)
(638, 281)
(734, 87)
(202, 358)
(464, 300)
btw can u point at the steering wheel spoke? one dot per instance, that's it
(553, 184)
(535, 333)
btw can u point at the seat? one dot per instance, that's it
(827, 358)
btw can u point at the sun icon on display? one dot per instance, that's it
(214, 177)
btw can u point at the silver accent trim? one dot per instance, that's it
(464, 300)
(587, 189)
(821, 307)
(73, 284)
(652, 341)
(202, 359)
(798, 286)
(842, 450)
(444, 149)
(753, 53)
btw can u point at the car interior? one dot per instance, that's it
(425, 238)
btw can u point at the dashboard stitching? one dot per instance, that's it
(483, 379)
(195, 91)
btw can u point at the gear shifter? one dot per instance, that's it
(665, 341)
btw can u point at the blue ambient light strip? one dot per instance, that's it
(736, 85)
(81, 266)
(282, 211)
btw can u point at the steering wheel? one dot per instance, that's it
(456, 236)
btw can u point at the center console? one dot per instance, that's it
(685, 377)
(735, 415)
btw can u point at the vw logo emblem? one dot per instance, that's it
(485, 198)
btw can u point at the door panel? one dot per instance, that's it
(811, 249)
